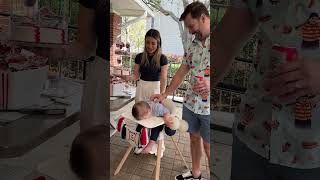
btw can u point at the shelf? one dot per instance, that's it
(39, 45)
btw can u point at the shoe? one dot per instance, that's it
(138, 150)
(188, 175)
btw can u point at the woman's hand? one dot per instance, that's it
(289, 81)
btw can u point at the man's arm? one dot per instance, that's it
(235, 28)
(177, 79)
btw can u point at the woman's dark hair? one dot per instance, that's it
(196, 9)
(80, 158)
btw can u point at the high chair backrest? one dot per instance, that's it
(132, 136)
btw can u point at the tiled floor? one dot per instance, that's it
(142, 167)
(137, 167)
(222, 152)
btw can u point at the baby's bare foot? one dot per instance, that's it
(148, 148)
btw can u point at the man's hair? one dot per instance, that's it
(81, 152)
(136, 109)
(196, 9)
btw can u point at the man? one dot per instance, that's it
(271, 146)
(196, 109)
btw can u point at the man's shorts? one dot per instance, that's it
(197, 123)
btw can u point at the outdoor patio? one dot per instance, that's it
(222, 152)
(143, 166)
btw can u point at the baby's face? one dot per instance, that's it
(145, 113)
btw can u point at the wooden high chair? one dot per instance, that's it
(133, 138)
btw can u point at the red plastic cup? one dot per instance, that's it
(205, 97)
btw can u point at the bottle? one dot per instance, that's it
(204, 97)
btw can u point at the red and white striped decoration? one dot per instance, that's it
(144, 136)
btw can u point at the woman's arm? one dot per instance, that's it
(136, 72)
(163, 78)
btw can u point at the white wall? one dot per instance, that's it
(169, 30)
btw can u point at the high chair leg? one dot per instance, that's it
(157, 176)
(123, 159)
(180, 153)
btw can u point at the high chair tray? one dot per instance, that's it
(148, 123)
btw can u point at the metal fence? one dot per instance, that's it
(70, 9)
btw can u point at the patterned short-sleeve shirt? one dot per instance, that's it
(197, 58)
(286, 134)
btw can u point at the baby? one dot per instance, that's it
(146, 109)
(89, 153)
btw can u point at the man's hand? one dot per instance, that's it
(201, 87)
(289, 81)
(158, 97)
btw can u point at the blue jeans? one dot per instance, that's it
(156, 131)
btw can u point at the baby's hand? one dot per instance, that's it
(168, 120)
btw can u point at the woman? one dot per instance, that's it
(91, 41)
(151, 67)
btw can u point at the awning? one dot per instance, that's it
(133, 8)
